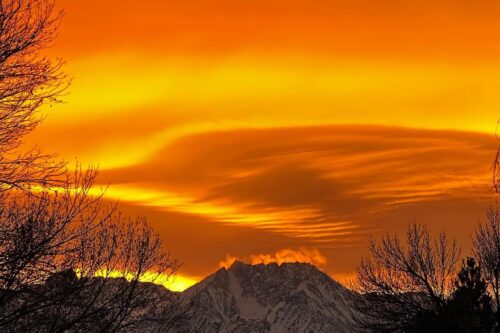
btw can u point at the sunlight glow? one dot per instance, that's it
(174, 282)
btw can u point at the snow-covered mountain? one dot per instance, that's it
(291, 297)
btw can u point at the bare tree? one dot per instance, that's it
(486, 247)
(60, 256)
(403, 281)
(28, 80)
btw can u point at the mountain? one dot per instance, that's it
(291, 297)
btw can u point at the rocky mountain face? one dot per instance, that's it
(291, 297)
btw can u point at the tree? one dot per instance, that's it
(28, 80)
(68, 260)
(60, 256)
(414, 287)
(403, 282)
(486, 245)
(468, 309)
(470, 304)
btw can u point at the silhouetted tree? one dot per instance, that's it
(60, 254)
(402, 282)
(28, 80)
(486, 244)
(470, 304)
(413, 287)
(467, 310)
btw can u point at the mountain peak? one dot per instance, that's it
(238, 264)
(268, 298)
(277, 271)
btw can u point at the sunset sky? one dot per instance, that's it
(269, 130)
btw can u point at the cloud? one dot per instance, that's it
(302, 255)
(323, 184)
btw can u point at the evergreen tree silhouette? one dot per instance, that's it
(470, 304)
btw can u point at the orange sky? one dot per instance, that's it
(264, 130)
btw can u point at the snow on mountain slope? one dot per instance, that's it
(291, 297)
